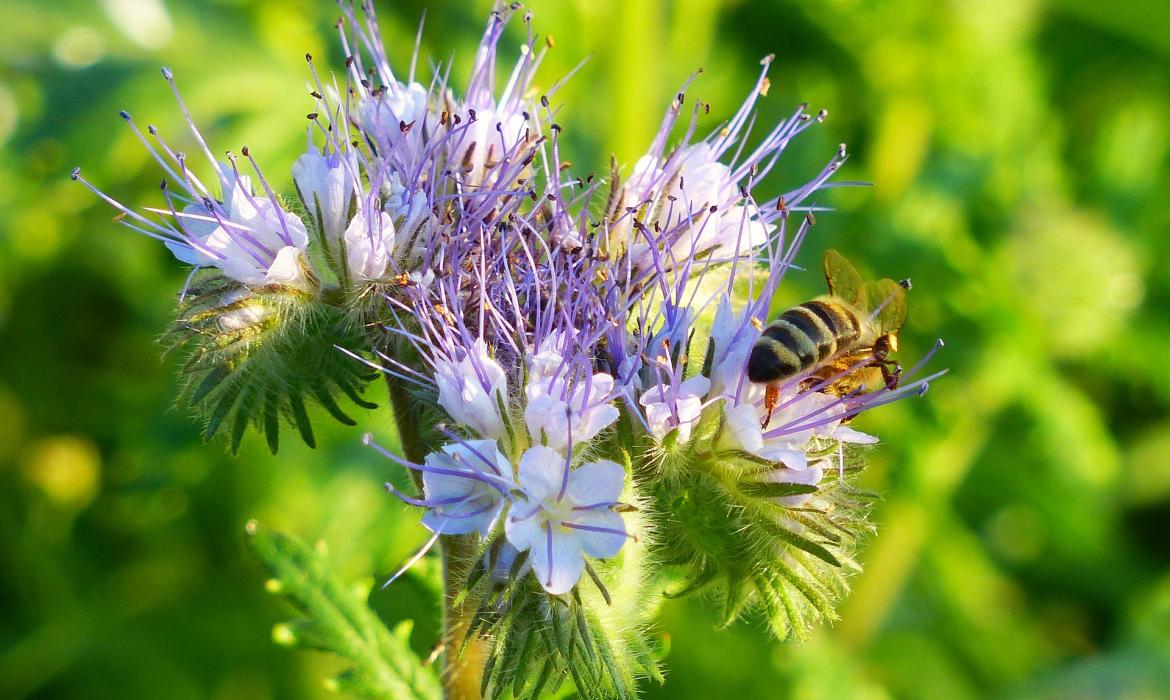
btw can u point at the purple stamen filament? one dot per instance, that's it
(595, 528)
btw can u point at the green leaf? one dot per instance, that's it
(338, 620)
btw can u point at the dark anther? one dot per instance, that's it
(75, 174)
(244, 151)
(311, 115)
(308, 57)
(544, 101)
(316, 95)
(124, 114)
(471, 113)
(906, 284)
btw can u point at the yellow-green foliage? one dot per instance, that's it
(1019, 155)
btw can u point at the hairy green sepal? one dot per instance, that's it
(783, 549)
(594, 638)
(258, 356)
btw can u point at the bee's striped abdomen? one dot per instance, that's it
(802, 337)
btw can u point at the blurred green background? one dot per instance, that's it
(1020, 154)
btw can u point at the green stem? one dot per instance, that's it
(461, 676)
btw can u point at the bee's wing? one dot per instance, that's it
(890, 297)
(844, 280)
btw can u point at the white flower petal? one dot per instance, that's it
(286, 268)
(325, 188)
(444, 486)
(741, 429)
(793, 459)
(596, 482)
(523, 532)
(541, 472)
(368, 247)
(557, 560)
(847, 434)
(476, 515)
(607, 539)
(470, 391)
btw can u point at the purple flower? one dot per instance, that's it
(250, 239)
(698, 199)
(369, 245)
(472, 389)
(465, 486)
(565, 514)
(567, 403)
(669, 409)
(245, 233)
(326, 185)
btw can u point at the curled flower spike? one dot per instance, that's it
(565, 514)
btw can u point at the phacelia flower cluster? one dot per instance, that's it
(572, 348)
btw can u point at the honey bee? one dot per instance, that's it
(842, 340)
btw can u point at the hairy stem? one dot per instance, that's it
(462, 675)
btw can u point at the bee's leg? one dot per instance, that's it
(891, 373)
(771, 400)
(891, 370)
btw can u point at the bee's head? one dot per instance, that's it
(885, 344)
